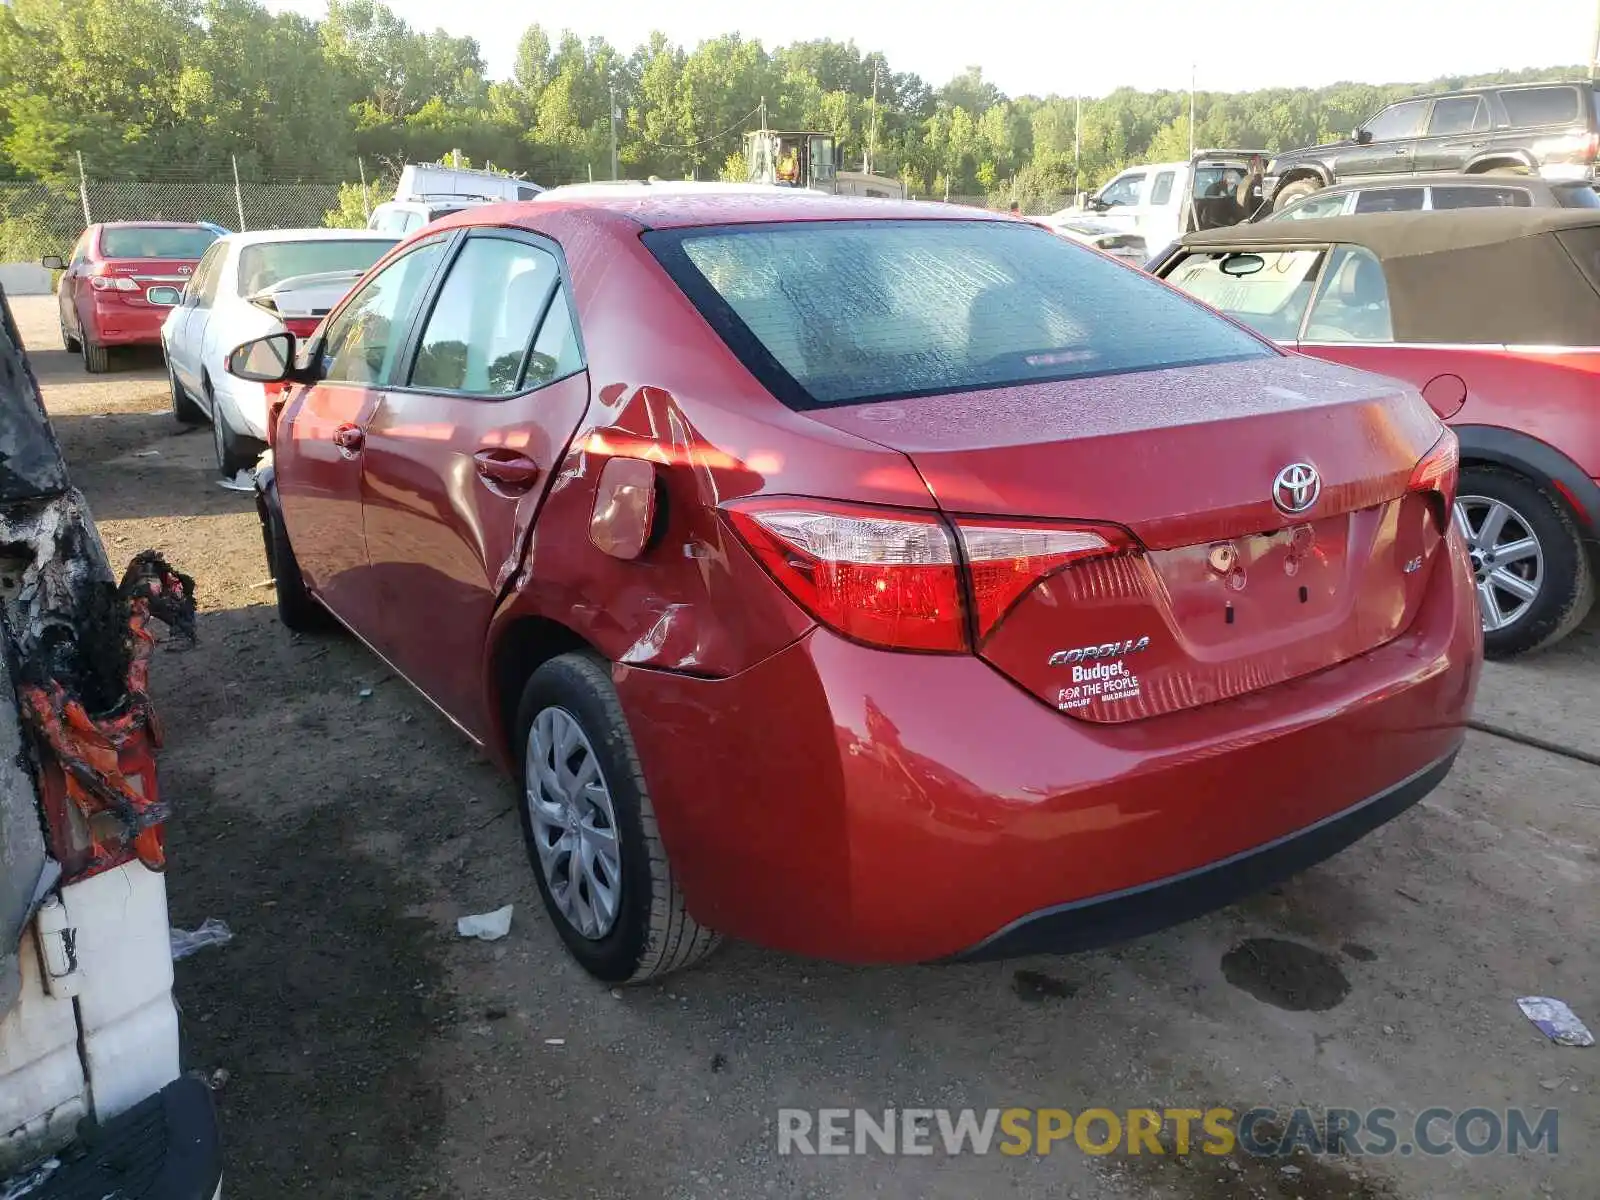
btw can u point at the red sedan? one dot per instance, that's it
(1495, 315)
(102, 292)
(877, 581)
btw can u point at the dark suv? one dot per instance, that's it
(1547, 129)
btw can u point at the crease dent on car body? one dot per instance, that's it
(843, 528)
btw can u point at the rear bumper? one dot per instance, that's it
(1567, 171)
(1141, 910)
(117, 323)
(867, 806)
(164, 1148)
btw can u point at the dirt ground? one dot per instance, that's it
(371, 1053)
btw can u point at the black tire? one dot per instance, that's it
(653, 933)
(297, 608)
(96, 358)
(1295, 189)
(1566, 585)
(233, 450)
(184, 410)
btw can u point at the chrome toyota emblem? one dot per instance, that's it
(1296, 488)
(185, 270)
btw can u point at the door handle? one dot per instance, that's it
(349, 439)
(506, 468)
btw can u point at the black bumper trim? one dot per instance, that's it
(166, 1147)
(1121, 916)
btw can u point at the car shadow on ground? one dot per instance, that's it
(126, 362)
(145, 464)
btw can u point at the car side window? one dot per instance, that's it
(363, 341)
(1122, 192)
(1541, 106)
(1352, 305)
(556, 353)
(1313, 206)
(1271, 298)
(203, 284)
(1398, 121)
(1458, 114)
(477, 337)
(1481, 197)
(1161, 189)
(1387, 200)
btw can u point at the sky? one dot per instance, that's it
(1043, 46)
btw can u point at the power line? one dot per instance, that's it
(704, 141)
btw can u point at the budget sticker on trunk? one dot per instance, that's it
(1102, 682)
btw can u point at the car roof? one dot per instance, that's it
(652, 209)
(1478, 180)
(257, 237)
(1439, 266)
(1396, 235)
(1479, 89)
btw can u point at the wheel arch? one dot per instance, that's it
(1490, 160)
(518, 648)
(1492, 446)
(1312, 171)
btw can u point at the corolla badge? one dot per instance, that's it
(1064, 658)
(1296, 488)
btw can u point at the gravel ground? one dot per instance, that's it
(371, 1053)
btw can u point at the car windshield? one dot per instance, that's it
(840, 312)
(1577, 195)
(155, 241)
(267, 263)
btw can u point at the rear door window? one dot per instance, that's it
(842, 312)
(1481, 197)
(1161, 189)
(1313, 206)
(1271, 298)
(1541, 106)
(1352, 303)
(1388, 200)
(1458, 114)
(477, 338)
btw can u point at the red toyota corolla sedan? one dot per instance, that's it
(877, 581)
(102, 293)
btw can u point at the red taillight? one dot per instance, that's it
(1438, 472)
(112, 283)
(882, 576)
(892, 577)
(1005, 561)
(1591, 148)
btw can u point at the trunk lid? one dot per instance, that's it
(147, 273)
(301, 301)
(1226, 592)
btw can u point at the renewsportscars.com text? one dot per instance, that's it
(1261, 1132)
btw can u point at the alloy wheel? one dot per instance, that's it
(574, 823)
(1507, 560)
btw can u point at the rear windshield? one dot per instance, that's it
(842, 312)
(1577, 195)
(154, 241)
(263, 265)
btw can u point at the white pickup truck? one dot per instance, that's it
(1158, 203)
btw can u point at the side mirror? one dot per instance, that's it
(1363, 137)
(265, 360)
(164, 296)
(53, 262)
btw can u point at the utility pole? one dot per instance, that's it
(83, 190)
(1191, 111)
(1594, 54)
(366, 199)
(238, 196)
(872, 128)
(614, 115)
(1077, 146)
